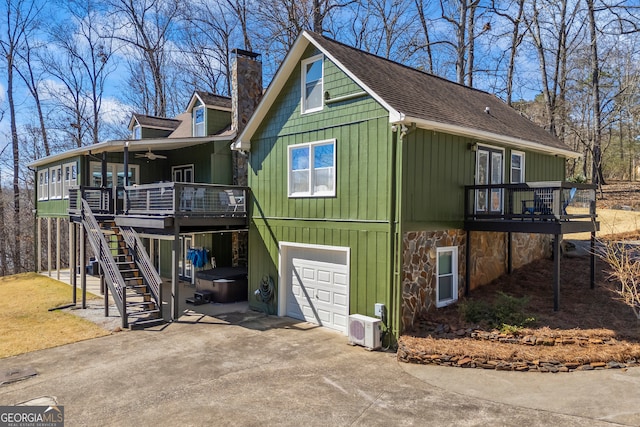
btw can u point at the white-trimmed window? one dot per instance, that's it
(312, 169)
(55, 182)
(312, 84)
(70, 176)
(517, 167)
(199, 120)
(43, 184)
(447, 276)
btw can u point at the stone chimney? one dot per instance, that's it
(246, 86)
(246, 91)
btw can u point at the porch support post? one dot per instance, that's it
(73, 261)
(556, 272)
(39, 245)
(175, 283)
(83, 265)
(126, 176)
(49, 246)
(593, 260)
(467, 270)
(509, 253)
(105, 291)
(58, 248)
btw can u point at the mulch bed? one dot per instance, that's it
(592, 329)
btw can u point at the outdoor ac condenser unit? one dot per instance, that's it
(364, 331)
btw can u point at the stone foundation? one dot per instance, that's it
(489, 254)
(488, 262)
(419, 271)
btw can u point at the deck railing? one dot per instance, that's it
(99, 199)
(548, 200)
(188, 199)
(164, 198)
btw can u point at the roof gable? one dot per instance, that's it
(209, 100)
(153, 122)
(413, 96)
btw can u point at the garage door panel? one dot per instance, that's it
(318, 291)
(323, 295)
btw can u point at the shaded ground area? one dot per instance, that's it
(592, 330)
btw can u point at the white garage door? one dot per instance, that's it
(317, 291)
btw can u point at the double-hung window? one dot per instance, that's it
(55, 183)
(312, 169)
(517, 167)
(447, 276)
(70, 174)
(312, 84)
(198, 121)
(43, 184)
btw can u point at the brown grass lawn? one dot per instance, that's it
(593, 323)
(26, 324)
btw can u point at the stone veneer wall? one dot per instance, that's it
(489, 253)
(488, 262)
(419, 270)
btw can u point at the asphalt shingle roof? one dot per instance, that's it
(156, 122)
(424, 96)
(212, 100)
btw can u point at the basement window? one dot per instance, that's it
(447, 276)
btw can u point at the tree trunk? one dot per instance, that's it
(16, 168)
(597, 177)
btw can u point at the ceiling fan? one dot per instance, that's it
(150, 155)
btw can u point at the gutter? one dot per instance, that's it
(488, 136)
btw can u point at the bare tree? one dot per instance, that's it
(241, 10)
(517, 34)
(424, 26)
(207, 36)
(462, 16)
(596, 177)
(553, 35)
(146, 26)
(20, 21)
(32, 80)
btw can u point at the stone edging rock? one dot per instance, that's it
(501, 365)
(408, 355)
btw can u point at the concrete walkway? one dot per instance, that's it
(246, 369)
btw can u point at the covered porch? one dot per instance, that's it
(555, 208)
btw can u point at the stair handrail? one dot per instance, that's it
(143, 261)
(100, 247)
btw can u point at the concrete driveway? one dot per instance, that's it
(249, 369)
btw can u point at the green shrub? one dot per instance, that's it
(507, 313)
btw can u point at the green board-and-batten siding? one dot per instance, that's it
(368, 263)
(357, 217)
(436, 167)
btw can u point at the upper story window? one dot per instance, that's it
(137, 132)
(517, 167)
(312, 84)
(312, 171)
(70, 175)
(55, 182)
(43, 184)
(198, 121)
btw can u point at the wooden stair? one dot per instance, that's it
(140, 306)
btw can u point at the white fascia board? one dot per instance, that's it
(289, 64)
(135, 145)
(485, 136)
(345, 69)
